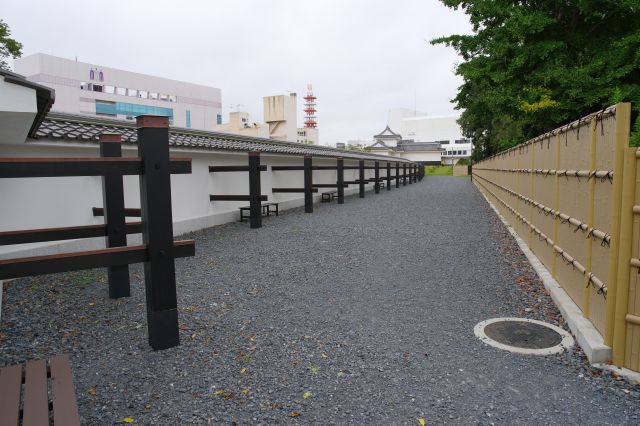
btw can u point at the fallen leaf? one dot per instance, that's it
(219, 392)
(243, 370)
(245, 392)
(314, 369)
(92, 391)
(294, 414)
(324, 356)
(340, 374)
(422, 422)
(229, 396)
(147, 407)
(128, 420)
(307, 395)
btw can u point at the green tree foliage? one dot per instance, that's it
(533, 65)
(8, 46)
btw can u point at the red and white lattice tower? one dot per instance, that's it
(310, 109)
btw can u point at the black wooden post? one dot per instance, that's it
(404, 174)
(361, 174)
(340, 181)
(397, 175)
(376, 187)
(255, 208)
(114, 219)
(308, 184)
(410, 173)
(415, 172)
(157, 231)
(388, 176)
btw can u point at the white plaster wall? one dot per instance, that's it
(421, 156)
(17, 111)
(31, 203)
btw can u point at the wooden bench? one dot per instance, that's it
(266, 210)
(328, 196)
(29, 382)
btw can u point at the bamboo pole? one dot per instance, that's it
(586, 301)
(532, 190)
(623, 127)
(556, 207)
(624, 256)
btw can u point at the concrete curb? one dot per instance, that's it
(589, 339)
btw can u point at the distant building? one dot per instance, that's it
(280, 116)
(392, 144)
(241, 124)
(97, 90)
(418, 126)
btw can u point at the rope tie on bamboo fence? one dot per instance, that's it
(608, 175)
(606, 240)
(591, 174)
(590, 233)
(603, 291)
(589, 279)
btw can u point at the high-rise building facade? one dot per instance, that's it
(97, 90)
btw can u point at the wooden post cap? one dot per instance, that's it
(111, 137)
(156, 121)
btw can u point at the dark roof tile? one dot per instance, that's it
(83, 128)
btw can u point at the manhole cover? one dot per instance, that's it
(524, 336)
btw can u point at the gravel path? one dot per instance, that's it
(361, 314)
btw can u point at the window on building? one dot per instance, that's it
(461, 141)
(132, 92)
(219, 118)
(153, 95)
(143, 94)
(109, 89)
(121, 91)
(106, 108)
(188, 119)
(97, 87)
(464, 152)
(83, 85)
(173, 98)
(164, 97)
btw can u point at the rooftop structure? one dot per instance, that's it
(97, 90)
(434, 129)
(280, 116)
(391, 143)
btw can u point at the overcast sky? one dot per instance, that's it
(362, 56)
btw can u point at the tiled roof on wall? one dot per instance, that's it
(68, 127)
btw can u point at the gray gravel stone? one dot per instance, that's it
(367, 309)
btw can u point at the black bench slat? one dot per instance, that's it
(266, 209)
